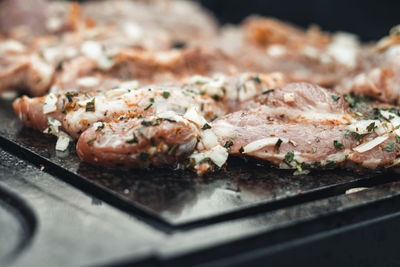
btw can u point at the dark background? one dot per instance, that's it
(369, 19)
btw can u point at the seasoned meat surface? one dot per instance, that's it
(158, 83)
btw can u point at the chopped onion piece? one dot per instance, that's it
(361, 126)
(53, 126)
(88, 81)
(171, 116)
(209, 139)
(116, 92)
(50, 103)
(256, 145)
(288, 98)
(95, 51)
(355, 189)
(130, 84)
(198, 79)
(371, 144)
(217, 154)
(62, 141)
(12, 46)
(193, 115)
(9, 95)
(98, 125)
(393, 118)
(83, 103)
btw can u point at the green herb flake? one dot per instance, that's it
(389, 148)
(156, 122)
(256, 79)
(214, 117)
(289, 157)
(350, 100)
(132, 140)
(148, 106)
(91, 140)
(90, 106)
(166, 94)
(371, 127)
(172, 149)
(228, 144)
(335, 98)
(268, 91)
(206, 126)
(63, 110)
(338, 145)
(298, 167)
(206, 159)
(69, 97)
(277, 145)
(146, 123)
(101, 126)
(356, 136)
(314, 149)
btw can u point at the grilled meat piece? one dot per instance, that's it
(378, 76)
(138, 143)
(137, 64)
(266, 45)
(78, 111)
(312, 128)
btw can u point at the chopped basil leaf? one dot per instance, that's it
(228, 144)
(134, 139)
(256, 79)
(338, 145)
(206, 126)
(389, 147)
(350, 100)
(69, 97)
(371, 127)
(298, 167)
(100, 127)
(207, 159)
(146, 108)
(289, 157)
(277, 145)
(91, 140)
(151, 123)
(268, 91)
(335, 98)
(314, 149)
(90, 106)
(213, 117)
(356, 136)
(166, 94)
